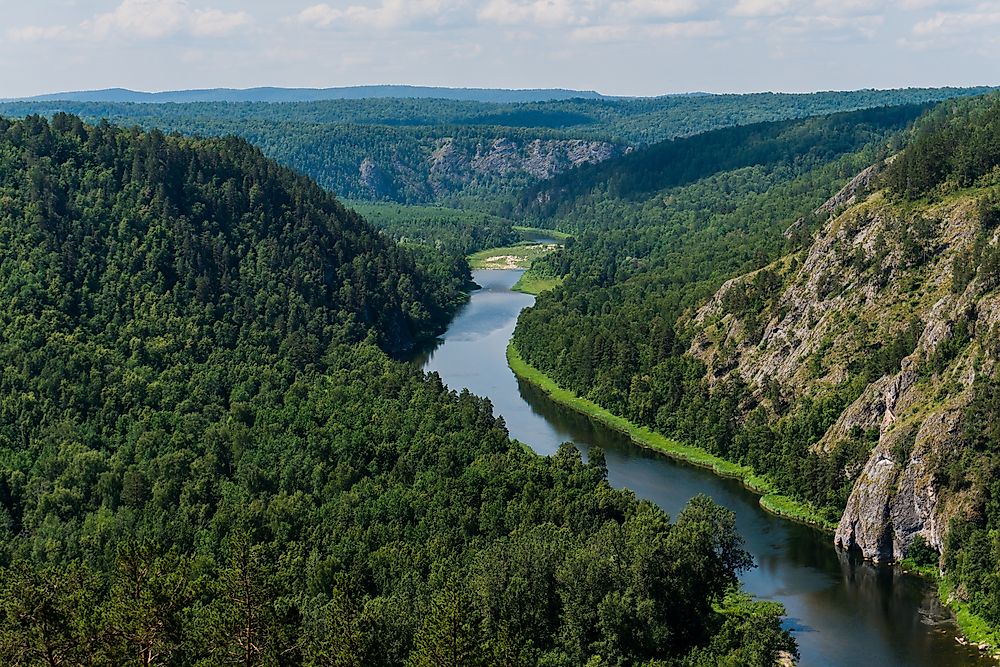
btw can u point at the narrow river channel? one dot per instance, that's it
(842, 612)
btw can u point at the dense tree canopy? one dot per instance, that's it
(616, 330)
(206, 458)
(640, 261)
(955, 144)
(398, 139)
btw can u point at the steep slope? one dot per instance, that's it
(218, 222)
(636, 177)
(856, 371)
(891, 320)
(638, 262)
(873, 308)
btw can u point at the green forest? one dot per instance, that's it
(208, 455)
(400, 139)
(951, 148)
(459, 232)
(657, 232)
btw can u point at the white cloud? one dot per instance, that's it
(654, 9)
(914, 5)
(215, 23)
(957, 23)
(971, 31)
(536, 12)
(147, 19)
(390, 14)
(760, 8)
(827, 28)
(595, 20)
(601, 33)
(674, 30)
(687, 30)
(849, 7)
(141, 19)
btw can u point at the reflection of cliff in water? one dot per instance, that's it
(796, 563)
(894, 591)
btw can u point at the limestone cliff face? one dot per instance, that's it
(450, 165)
(876, 274)
(539, 159)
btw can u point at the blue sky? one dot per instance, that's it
(627, 47)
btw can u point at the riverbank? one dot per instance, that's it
(534, 284)
(772, 502)
(975, 630)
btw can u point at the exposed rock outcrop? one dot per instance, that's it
(540, 159)
(373, 179)
(875, 273)
(452, 164)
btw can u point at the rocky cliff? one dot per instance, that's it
(896, 302)
(450, 165)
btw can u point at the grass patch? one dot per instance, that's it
(644, 437)
(518, 256)
(976, 630)
(532, 283)
(910, 566)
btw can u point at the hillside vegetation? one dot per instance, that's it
(207, 457)
(456, 231)
(856, 370)
(477, 154)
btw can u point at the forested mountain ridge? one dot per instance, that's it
(477, 154)
(637, 263)
(206, 459)
(858, 373)
(891, 319)
(276, 94)
(636, 177)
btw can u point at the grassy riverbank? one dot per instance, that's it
(771, 501)
(533, 283)
(976, 630)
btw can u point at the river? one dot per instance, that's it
(842, 611)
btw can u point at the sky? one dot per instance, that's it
(617, 47)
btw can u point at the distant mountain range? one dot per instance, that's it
(270, 94)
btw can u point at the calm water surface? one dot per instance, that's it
(843, 612)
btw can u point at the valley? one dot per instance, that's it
(710, 399)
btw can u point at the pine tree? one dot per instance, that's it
(450, 636)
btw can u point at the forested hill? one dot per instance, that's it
(639, 175)
(732, 202)
(463, 152)
(271, 94)
(200, 227)
(205, 459)
(851, 361)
